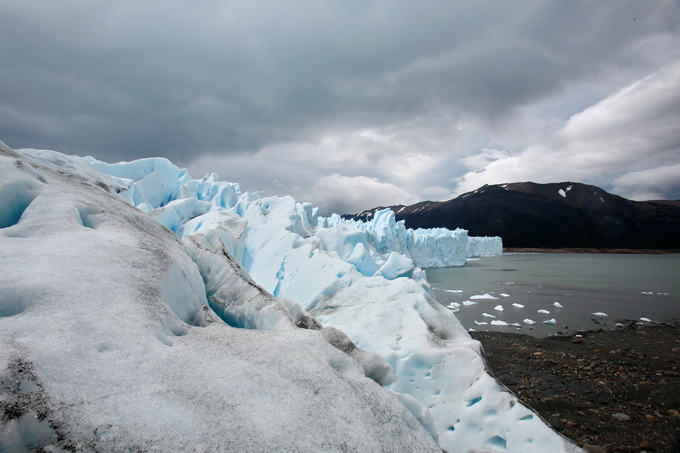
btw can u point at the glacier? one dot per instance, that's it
(141, 308)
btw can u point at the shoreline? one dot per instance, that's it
(618, 390)
(590, 250)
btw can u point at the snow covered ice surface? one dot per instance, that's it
(256, 326)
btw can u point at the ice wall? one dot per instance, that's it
(436, 247)
(362, 279)
(484, 246)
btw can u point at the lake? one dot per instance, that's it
(591, 291)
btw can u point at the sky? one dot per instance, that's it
(352, 104)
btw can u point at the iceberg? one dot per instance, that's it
(212, 315)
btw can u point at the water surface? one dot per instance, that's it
(624, 287)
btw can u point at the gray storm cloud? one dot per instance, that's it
(203, 83)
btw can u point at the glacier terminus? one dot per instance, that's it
(142, 309)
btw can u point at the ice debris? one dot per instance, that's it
(483, 296)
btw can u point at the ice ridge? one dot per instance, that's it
(360, 279)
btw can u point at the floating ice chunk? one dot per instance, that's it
(645, 319)
(516, 305)
(498, 308)
(453, 290)
(469, 302)
(599, 313)
(648, 292)
(486, 315)
(557, 305)
(529, 322)
(562, 192)
(498, 322)
(481, 323)
(504, 295)
(483, 296)
(544, 312)
(550, 322)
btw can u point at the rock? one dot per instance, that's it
(621, 417)
(593, 449)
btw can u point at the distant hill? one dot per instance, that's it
(556, 215)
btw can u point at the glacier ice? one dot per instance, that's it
(484, 246)
(107, 343)
(269, 265)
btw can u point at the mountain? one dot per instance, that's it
(555, 215)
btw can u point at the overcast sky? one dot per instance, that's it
(352, 104)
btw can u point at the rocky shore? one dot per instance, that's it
(589, 250)
(607, 390)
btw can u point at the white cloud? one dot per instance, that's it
(402, 159)
(653, 184)
(346, 193)
(639, 121)
(633, 132)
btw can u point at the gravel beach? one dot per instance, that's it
(607, 390)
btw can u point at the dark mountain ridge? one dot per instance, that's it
(555, 215)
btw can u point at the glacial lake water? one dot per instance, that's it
(624, 287)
